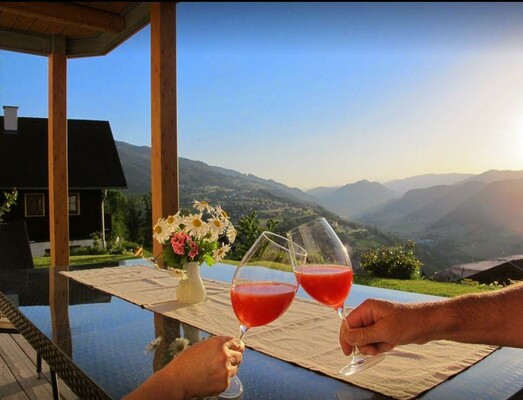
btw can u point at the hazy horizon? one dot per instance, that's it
(315, 94)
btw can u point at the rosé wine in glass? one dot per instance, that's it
(326, 276)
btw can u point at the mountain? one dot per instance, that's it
(402, 186)
(322, 191)
(473, 220)
(495, 175)
(240, 194)
(136, 164)
(496, 207)
(354, 199)
(419, 208)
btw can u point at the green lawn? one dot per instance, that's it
(42, 262)
(415, 285)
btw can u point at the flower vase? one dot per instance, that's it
(192, 289)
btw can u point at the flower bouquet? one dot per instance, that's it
(202, 236)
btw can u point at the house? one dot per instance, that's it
(94, 167)
(501, 270)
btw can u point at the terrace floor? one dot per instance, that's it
(18, 377)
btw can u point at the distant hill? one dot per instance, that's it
(473, 220)
(419, 208)
(479, 217)
(354, 199)
(495, 175)
(322, 191)
(402, 186)
(498, 207)
(240, 194)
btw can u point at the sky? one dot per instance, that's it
(314, 94)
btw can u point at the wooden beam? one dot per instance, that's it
(67, 13)
(164, 145)
(57, 155)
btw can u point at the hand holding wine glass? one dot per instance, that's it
(262, 288)
(326, 276)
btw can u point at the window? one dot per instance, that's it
(74, 203)
(34, 205)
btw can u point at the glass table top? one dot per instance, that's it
(107, 338)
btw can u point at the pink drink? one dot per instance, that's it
(327, 284)
(258, 303)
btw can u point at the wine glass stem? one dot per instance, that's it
(356, 355)
(241, 332)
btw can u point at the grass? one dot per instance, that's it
(43, 262)
(421, 286)
(413, 285)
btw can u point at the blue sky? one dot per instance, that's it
(315, 94)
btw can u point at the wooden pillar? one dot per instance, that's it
(57, 154)
(164, 146)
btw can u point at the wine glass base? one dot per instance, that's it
(234, 390)
(360, 363)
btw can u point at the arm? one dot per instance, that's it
(201, 370)
(487, 318)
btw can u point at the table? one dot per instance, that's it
(96, 344)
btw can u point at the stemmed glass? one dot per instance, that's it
(262, 288)
(327, 276)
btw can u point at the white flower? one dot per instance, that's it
(221, 252)
(216, 226)
(153, 345)
(195, 226)
(173, 222)
(161, 231)
(177, 273)
(202, 206)
(179, 345)
(221, 213)
(231, 234)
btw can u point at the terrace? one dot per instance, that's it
(61, 31)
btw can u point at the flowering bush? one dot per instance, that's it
(204, 236)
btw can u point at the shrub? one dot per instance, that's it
(397, 262)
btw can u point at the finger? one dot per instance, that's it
(236, 344)
(363, 336)
(235, 358)
(375, 348)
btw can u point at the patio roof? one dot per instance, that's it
(89, 28)
(61, 31)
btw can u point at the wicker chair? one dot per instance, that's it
(15, 253)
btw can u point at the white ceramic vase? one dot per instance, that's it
(192, 289)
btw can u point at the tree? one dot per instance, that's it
(10, 200)
(249, 229)
(392, 262)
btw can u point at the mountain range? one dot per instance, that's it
(454, 217)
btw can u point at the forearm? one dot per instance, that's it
(161, 385)
(489, 318)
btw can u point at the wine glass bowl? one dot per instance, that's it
(262, 288)
(327, 275)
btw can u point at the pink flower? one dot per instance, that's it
(178, 242)
(194, 250)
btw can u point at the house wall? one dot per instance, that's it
(80, 226)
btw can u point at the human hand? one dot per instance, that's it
(205, 368)
(376, 326)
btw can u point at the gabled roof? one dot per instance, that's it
(500, 269)
(92, 154)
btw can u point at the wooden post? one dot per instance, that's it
(164, 146)
(57, 154)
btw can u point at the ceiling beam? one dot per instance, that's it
(68, 13)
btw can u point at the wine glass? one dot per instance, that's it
(326, 276)
(262, 288)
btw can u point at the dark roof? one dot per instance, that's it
(500, 269)
(93, 158)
